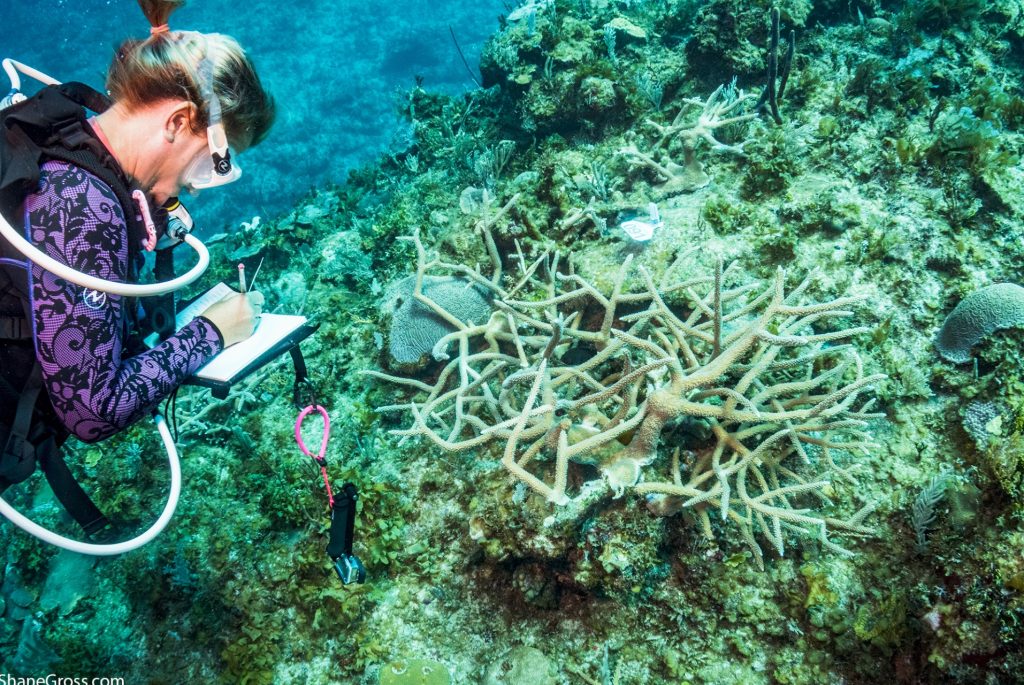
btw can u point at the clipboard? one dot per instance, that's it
(220, 388)
(275, 335)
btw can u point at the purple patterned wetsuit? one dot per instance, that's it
(76, 219)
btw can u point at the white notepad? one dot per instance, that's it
(272, 329)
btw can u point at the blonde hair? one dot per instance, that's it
(166, 66)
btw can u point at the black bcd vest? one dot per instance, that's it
(50, 125)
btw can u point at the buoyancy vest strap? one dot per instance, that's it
(28, 445)
(160, 308)
(17, 461)
(90, 98)
(19, 172)
(67, 489)
(14, 328)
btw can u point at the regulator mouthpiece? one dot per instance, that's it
(179, 224)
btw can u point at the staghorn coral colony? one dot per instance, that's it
(595, 442)
(603, 394)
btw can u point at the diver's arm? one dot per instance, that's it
(96, 392)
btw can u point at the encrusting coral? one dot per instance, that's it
(564, 370)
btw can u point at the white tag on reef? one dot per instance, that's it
(642, 230)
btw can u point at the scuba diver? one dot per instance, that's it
(89, 195)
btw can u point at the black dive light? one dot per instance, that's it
(343, 522)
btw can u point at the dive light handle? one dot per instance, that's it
(343, 521)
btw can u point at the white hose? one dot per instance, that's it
(12, 67)
(112, 287)
(117, 548)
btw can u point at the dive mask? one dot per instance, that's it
(215, 169)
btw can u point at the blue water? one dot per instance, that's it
(336, 68)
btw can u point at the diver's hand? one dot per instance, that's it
(235, 316)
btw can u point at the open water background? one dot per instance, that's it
(337, 68)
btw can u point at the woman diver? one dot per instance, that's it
(172, 95)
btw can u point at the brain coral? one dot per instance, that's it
(415, 328)
(986, 310)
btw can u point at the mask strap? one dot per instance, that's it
(215, 130)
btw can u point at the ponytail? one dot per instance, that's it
(164, 66)
(159, 11)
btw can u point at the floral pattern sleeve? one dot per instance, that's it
(75, 218)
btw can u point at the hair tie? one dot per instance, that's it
(162, 28)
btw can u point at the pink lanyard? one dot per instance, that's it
(318, 458)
